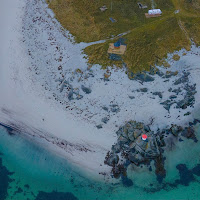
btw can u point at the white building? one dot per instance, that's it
(155, 12)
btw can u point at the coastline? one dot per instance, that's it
(26, 105)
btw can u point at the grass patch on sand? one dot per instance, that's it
(145, 45)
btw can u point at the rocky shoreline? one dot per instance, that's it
(131, 149)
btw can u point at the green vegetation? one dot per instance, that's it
(149, 40)
(176, 57)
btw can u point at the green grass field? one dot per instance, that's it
(149, 40)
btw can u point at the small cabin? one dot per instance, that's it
(155, 12)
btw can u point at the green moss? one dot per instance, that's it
(176, 57)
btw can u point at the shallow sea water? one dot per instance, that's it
(36, 171)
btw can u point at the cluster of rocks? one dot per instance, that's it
(146, 76)
(132, 149)
(113, 108)
(188, 98)
(75, 93)
(143, 76)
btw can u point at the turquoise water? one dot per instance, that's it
(35, 169)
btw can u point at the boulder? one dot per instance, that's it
(175, 129)
(158, 94)
(99, 126)
(105, 120)
(135, 158)
(131, 97)
(105, 108)
(173, 97)
(116, 148)
(86, 89)
(70, 95)
(142, 90)
(122, 140)
(114, 108)
(112, 159)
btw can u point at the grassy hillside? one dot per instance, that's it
(149, 40)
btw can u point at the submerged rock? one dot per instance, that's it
(189, 133)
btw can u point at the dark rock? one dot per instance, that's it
(105, 108)
(170, 89)
(147, 128)
(99, 126)
(187, 113)
(169, 74)
(177, 91)
(118, 170)
(122, 140)
(173, 97)
(142, 90)
(131, 97)
(135, 158)
(78, 97)
(159, 73)
(70, 95)
(189, 133)
(158, 94)
(175, 129)
(111, 159)
(116, 148)
(140, 76)
(114, 108)
(182, 79)
(167, 104)
(180, 140)
(105, 120)
(86, 89)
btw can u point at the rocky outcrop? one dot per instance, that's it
(135, 150)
